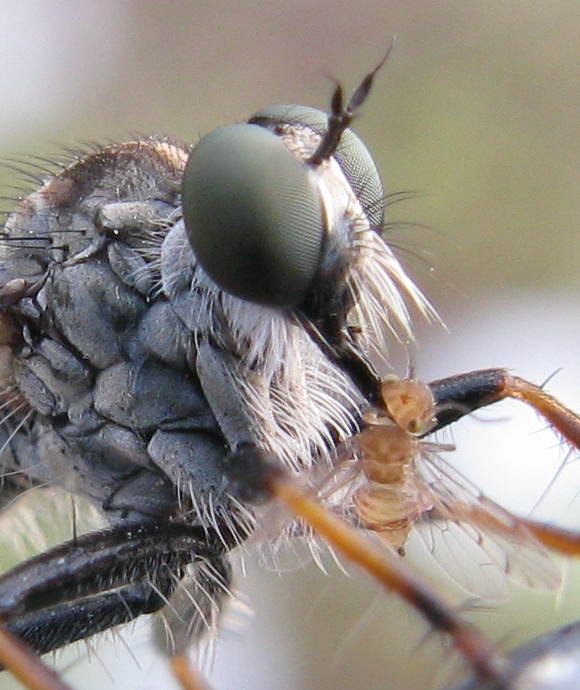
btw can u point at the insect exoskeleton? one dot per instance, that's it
(389, 502)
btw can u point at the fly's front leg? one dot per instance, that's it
(458, 396)
(454, 398)
(394, 575)
(255, 476)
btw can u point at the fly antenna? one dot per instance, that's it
(341, 114)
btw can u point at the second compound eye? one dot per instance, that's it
(352, 154)
(253, 215)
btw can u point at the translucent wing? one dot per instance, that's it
(478, 543)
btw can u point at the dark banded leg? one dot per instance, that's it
(95, 582)
(455, 398)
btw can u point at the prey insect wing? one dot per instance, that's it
(477, 557)
(399, 483)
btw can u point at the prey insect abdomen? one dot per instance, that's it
(389, 501)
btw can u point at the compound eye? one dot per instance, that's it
(352, 155)
(253, 216)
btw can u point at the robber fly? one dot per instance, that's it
(188, 335)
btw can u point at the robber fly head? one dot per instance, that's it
(278, 215)
(287, 211)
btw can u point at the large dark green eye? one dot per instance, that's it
(352, 155)
(253, 215)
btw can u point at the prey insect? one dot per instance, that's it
(187, 336)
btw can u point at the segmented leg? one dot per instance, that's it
(53, 582)
(455, 397)
(95, 582)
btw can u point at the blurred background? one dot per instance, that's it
(477, 114)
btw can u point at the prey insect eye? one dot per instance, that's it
(253, 215)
